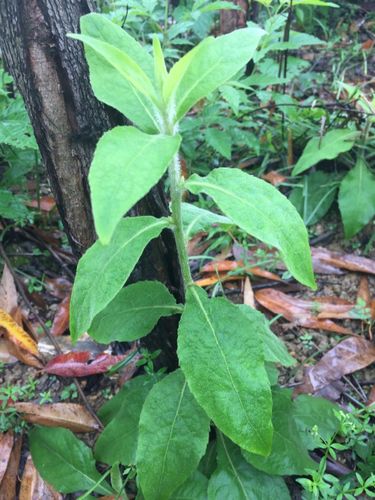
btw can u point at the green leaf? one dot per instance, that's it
(194, 488)
(328, 147)
(318, 3)
(219, 5)
(173, 435)
(160, 69)
(311, 412)
(274, 348)
(126, 164)
(105, 78)
(220, 141)
(209, 65)
(315, 197)
(124, 64)
(261, 210)
(118, 440)
(235, 478)
(196, 219)
(64, 461)
(103, 269)
(357, 198)
(223, 361)
(289, 455)
(134, 312)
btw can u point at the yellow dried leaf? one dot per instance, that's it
(16, 334)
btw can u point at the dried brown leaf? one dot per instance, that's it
(274, 177)
(24, 356)
(8, 484)
(45, 203)
(348, 356)
(248, 293)
(33, 487)
(8, 292)
(69, 415)
(350, 262)
(298, 311)
(6, 445)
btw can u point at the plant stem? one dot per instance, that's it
(176, 191)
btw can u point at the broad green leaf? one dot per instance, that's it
(197, 219)
(118, 440)
(209, 463)
(274, 348)
(318, 3)
(134, 312)
(261, 210)
(357, 198)
(235, 478)
(289, 454)
(105, 78)
(220, 141)
(173, 435)
(208, 66)
(160, 69)
(124, 64)
(314, 198)
(126, 164)
(64, 461)
(328, 147)
(194, 488)
(103, 269)
(315, 416)
(223, 361)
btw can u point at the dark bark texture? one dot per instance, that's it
(231, 20)
(50, 71)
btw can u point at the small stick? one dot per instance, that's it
(46, 331)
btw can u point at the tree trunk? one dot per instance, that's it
(231, 20)
(51, 73)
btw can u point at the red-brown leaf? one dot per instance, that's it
(61, 320)
(6, 445)
(80, 364)
(348, 356)
(58, 287)
(46, 203)
(233, 265)
(274, 177)
(299, 311)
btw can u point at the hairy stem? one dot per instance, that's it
(176, 191)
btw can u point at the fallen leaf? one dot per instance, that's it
(16, 334)
(69, 415)
(364, 291)
(45, 203)
(368, 44)
(216, 278)
(248, 294)
(8, 484)
(61, 320)
(348, 356)
(350, 262)
(127, 372)
(24, 356)
(8, 292)
(80, 364)
(6, 445)
(196, 246)
(274, 177)
(298, 311)
(58, 287)
(33, 487)
(233, 265)
(371, 396)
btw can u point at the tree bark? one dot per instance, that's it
(51, 73)
(231, 20)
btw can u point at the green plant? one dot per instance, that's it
(9, 418)
(226, 351)
(69, 392)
